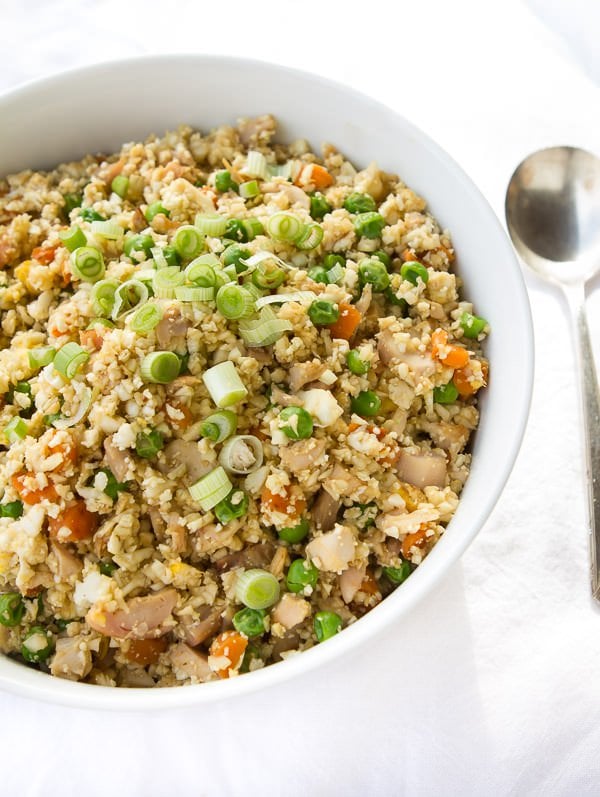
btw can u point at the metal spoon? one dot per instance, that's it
(553, 215)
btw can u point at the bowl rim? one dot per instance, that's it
(26, 682)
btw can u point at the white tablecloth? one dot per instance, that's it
(489, 686)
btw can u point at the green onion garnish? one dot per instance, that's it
(73, 238)
(257, 589)
(188, 242)
(12, 509)
(89, 214)
(154, 209)
(219, 426)
(256, 165)
(284, 227)
(128, 296)
(103, 297)
(310, 237)
(252, 228)
(113, 487)
(37, 645)
(108, 229)
(335, 274)
(87, 264)
(211, 489)
(268, 275)
(233, 506)
(148, 444)
(69, 359)
(213, 224)
(38, 358)
(472, 325)
(145, 318)
(12, 609)
(190, 293)
(166, 280)
(263, 331)
(201, 271)
(120, 185)
(16, 429)
(234, 301)
(138, 243)
(72, 201)
(224, 384)
(249, 190)
(160, 367)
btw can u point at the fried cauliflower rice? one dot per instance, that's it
(199, 480)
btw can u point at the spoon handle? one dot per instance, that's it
(590, 401)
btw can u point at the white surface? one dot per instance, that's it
(496, 690)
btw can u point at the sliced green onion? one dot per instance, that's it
(139, 243)
(249, 190)
(414, 271)
(231, 274)
(397, 575)
(335, 274)
(284, 227)
(187, 293)
(326, 625)
(265, 330)
(188, 242)
(472, 325)
(165, 256)
(12, 609)
(145, 318)
(89, 214)
(319, 207)
(100, 322)
(37, 645)
(38, 358)
(224, 384)
(12, 509)
(69, 359)
(242, 454)
(87, 263)
(369, 225)
(128, 296)
(219, 426)
(252, 227)
(256, 165)
(146, 276)
(201, 271)
(213, 224)
(319, 274)
(250, 622)
(85, 403)
(235, 231)
(268, 275)
(166, 280)
(148, 444)
(211, 489)
(234, 301)
(73, 238)
(160, 367)
(120, 185)
(304, 297)
(16, 429)
(154, 209)
(233, 506)
(257, 589)
(310, 237)
(108, 229)
(103, 297)
(280, 170)
(224, 182)
(72, 201)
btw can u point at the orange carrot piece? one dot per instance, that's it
(44, 254)
(91, 338)
(417, 538)
(315, 174)
(292, 503)
(231, 645)
(30, 496)
(80, 522)
(448, 354)
(347, 322)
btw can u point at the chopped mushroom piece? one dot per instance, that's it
(144, 618)
(189, 663)
(301, 374)
(68, 564)
(303, 454)
(184, 454)
(334, 550)
(448, 436)
(72, 659)
(341, 482)
(391, 351)
(350, 581)
(422, 469)
(198, 631)
(258, 555)
(118, 461)
(325, 509)
(172, 329)
(291, 611)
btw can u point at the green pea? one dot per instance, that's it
(369, 225)
(107, 568)
(250, 622)
(154, 210)
(138, 243)
(235, 505)
(322, 313)
(225, 182)
(359, 203)
(445, 394)
(37, 645)
(367, 404)
(236, 231)
(12, 609)
(398, 574)
(294, 534)
(319, 207)
(326, 625)
(372, 271)
(171, 255)
(298, 423)
(384, 257)
(413, 271)
(318, 274)
(356, 365)
(148, 444)
(472, 325)
(301, 574)
(233, 255)
(330, 260)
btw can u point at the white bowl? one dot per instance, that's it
(98, 108)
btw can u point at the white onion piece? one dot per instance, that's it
(85, 402)
(260, 257)
(280, 298)
(242, 454)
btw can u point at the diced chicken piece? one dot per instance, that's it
(258, 555)
(279, 561)
(258, 130)
(172, 329)
(341, 482)
(72, 659)
(67, 563)
(390, 351)
(398, 524)
(189, 663)
(422, 469)
(301, 455)
(118, 461)
(287, 642)
(325, 509)
(284, 399)
(321, 405)
(350, 581)
(302, 373)
(291, 611)
(196, 632)
(144, 618)
(184, 453)
(332, 551)
(448, 436)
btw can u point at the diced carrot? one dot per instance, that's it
(77, 519)
(409, 256)
(315, 174)
(448, 354)
(369, 586)
(92, 338)
(352, 427)
(457, 357)
(464, 383)
(145, 651)
(232, 646)
(68, 452)
(292, 503)
(180, 409)
(34, 496)
(417, 538)
(347, 322)
(44, 254)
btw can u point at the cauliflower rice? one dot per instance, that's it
(144, 542)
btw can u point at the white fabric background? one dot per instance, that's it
(490, 686)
